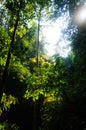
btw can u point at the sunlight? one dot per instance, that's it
(80, 15)
(63, 48)
(55, 37)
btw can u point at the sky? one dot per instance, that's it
(54, 32)
(55, 37)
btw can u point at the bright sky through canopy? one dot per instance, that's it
(57, 43)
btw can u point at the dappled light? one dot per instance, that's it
(55, 36)
(42, 65)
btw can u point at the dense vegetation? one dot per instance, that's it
(39, 92)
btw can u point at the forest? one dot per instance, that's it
(38, 91)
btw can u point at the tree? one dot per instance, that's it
(56, 97)
(9, 52)
(15, 9)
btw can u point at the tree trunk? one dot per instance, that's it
(4, 76)
(38, 31)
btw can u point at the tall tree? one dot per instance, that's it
(14, 8)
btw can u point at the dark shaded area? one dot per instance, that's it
(25, 115)
(14, 87)
(70, 116)
(20, 114)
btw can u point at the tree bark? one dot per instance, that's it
(4, 76)
(38, 31)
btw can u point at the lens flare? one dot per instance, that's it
(80, 16)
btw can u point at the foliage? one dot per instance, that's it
(4, 42)
(78, 47)
(49, 96)
(7, 126)
(62, 6)
(6, 102)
